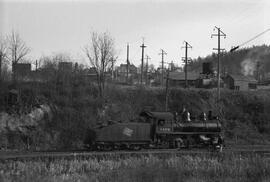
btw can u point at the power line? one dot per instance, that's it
(253, 38)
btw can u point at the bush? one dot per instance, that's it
(228, 167)
(243, 114)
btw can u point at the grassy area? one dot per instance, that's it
(244, 115)
(144, 168)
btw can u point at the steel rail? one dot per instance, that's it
(101, 154)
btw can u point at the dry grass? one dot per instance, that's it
(144, 168)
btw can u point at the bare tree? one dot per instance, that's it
(3, 54)
(50, 65)
(152, 68)
(100, 53)
(17, 49)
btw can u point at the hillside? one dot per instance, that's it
(244, 115)
(244, 61)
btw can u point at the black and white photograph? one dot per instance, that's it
(135, 90)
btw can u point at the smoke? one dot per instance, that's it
(248, 66)
(256, 55)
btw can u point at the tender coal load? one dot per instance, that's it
(124, 132)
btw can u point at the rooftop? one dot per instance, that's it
(181, 75)
(158, 115)
(243, 78)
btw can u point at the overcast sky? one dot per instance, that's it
(65, 26)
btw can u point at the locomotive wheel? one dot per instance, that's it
(219, 148)
(135, 147)
(187, 146)
(104, 147)
(108, 148)
(116, 147)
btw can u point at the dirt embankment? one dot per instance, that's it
(245, 115)
(22, 123)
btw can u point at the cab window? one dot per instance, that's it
(161, 122)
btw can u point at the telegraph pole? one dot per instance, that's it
(167, 91)
(0, 67)
(146, 78)
(258, 71)
(142, 46)
(187, 46)
(127, 61)
(219, 34)
(112, 68)
(162, 64)
(36, 64)
(171, 65)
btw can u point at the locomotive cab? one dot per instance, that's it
(162, 121)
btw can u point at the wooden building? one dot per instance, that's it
(65, 67)
(240, 82)
(177, 79)
(121, 73)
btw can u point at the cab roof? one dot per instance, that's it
(158, 115)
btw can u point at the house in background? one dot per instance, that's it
(65, 67)
(64, 72)
(121, 73)
(21, 71)
(177, 79)
(240, 82)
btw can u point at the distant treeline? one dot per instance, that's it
(244, 61)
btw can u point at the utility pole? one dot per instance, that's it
(0, 67)
(36, 65)
(146, 77)
(2, 58)
(167, 92)
(162, 65)
(127, 61)
(112, 60)
(171, 65)
(142, 46)
(258, 71)
(187, 46)
(219, 34)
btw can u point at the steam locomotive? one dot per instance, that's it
(158, 130)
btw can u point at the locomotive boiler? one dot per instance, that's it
(159, 130)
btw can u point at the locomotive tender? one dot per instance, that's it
(159, 130)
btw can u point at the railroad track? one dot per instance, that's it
(260, 150)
